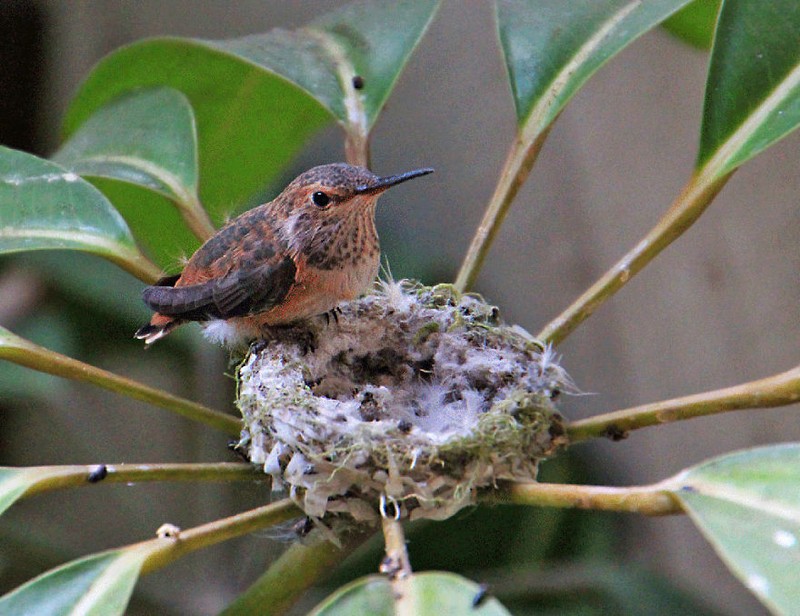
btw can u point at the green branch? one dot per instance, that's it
(20, 351)
(520, 159)
(59, 477)
(164, 550)
(685, 210)
(647, 500)
(194, 214)
(778, 390)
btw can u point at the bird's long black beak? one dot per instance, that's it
(391, 180)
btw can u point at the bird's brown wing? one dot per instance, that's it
(241, 292)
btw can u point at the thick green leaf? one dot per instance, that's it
(430, 593)
(98, 585)
(13, 483)
(695, 23)
(747, 504)
(44, 206)
(373, 40)
(753, 88)
(155, 222)
(258, 99)
(552, 47)
(146, 138)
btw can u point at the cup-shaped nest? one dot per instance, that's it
(416, 395)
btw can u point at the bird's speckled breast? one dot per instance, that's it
(336, 242)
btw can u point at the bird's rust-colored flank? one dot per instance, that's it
(298, 256)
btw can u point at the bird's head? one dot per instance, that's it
(333, 190)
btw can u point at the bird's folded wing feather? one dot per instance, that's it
(239, 293)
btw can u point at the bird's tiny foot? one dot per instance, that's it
(303, 334)
(259, 345)
(334, 312)
(307, 341)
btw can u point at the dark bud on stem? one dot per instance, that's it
(98, 473)
(480, 596)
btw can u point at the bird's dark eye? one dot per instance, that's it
(320, 199)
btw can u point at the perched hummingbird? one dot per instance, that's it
(298, 256)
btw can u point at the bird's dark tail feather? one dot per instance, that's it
(150, 333)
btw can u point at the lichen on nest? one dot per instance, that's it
(417, 395)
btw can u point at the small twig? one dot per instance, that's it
(648, 500)
(396, 565)
(685, 210)
(195, 216)
(520, 159)
(163, 551)
(58, 477)
(135, 263)
(356, 148)
(25, 353)
(778, 390)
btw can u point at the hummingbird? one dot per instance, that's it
(295, 257)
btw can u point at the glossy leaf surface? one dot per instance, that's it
(695, 23)
(552, 47)
(99, 585)
(145, 140)
(13, 484)
(370, 39)
(154, 221)
(747, 504)
(753, 88)
(146, 137)
(43, 206)
(426, 594)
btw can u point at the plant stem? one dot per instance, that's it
(293, 573)
(777, 390)
(647, 500)
(519, 161)
(356, 126)
(356, 148)
(685, 210)
(195, 215)
(136, 264)
(25, 353)
(163, 551)
(58, 477)
(397, 566)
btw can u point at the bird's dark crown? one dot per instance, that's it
(349, 180)
(342, 177)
